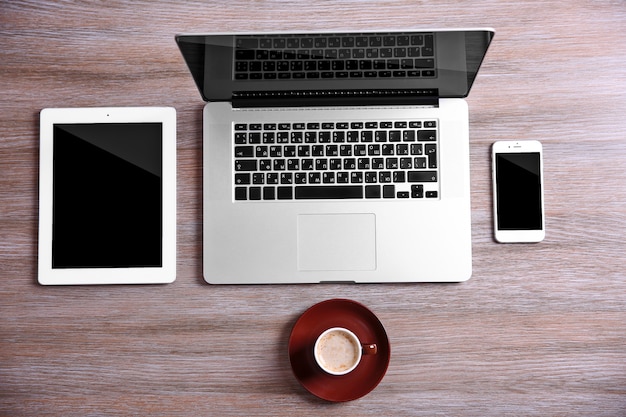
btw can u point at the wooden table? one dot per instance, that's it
(540, 329)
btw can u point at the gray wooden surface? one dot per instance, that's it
(538, 330)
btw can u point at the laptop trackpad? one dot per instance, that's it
(337, 242)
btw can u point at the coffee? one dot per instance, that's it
(338, 351)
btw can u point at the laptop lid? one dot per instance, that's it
(335, 68)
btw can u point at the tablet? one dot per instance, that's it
(107, 196)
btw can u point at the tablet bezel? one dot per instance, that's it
(131, 275)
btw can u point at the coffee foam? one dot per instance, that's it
(337, 351)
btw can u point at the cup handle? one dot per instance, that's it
(370, 349)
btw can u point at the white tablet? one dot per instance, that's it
(107, 196)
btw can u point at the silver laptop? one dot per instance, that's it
(336, 157)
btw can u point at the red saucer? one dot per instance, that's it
(367, 327)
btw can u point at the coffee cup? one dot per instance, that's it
(338, 351)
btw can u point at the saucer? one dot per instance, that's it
(338, 313)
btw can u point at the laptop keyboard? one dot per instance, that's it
(286, 57)
(336, 160)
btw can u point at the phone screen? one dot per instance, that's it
(518, 191)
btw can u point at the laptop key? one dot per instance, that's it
(245, 165)
(328, 192)
(244, 151)
(241, 138)
(431, 150)
(372, 191)
(241, 193)
(426, 135)
(254, 138)
(269, 193)
(258, 178)
(399, 176)
(422, 176)
(417, 191)
(255, 193)
(242, 178)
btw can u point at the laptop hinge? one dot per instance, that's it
(313, 98)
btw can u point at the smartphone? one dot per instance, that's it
(517, 171)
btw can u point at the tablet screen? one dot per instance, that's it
(107, 195)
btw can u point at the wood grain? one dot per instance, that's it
(538, 330)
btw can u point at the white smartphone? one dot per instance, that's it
(518, 209)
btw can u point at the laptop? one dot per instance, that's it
(336, 157)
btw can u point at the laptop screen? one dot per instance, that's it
(437, 63)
